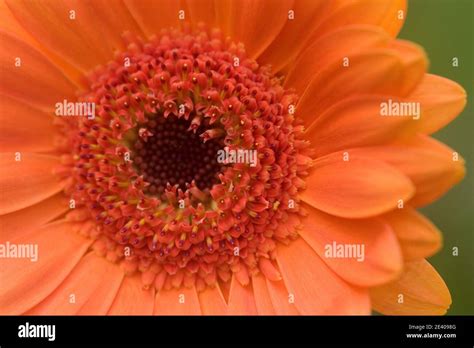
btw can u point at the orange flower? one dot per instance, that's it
(131, 213)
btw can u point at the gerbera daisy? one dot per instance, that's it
(113, 116)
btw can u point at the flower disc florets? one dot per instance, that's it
(148, 168)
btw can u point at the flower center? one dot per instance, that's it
(145, 169)
(170, 151)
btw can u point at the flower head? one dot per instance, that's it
(145, 168)
(268, 162)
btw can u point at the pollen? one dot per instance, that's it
(145, 172)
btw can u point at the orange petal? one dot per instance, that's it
(35, 75)
(25, 283)
(415, 65)
(87, 40)
(241, 299)
(357, 122)
(153, 16)
(132, 299)
(393, 71)
(441, 101)
(212, 301)
(380, 260)
(295, 34)
(418, 237)
(331, 48)
(202, 11)
(268, 269)
(11, 25)
(384, 14)
(357, 188)
(316, 289)
(431, 166)
(420, 290)
(263, 301)
(255, 23)
(380, 68)
(26, 182)
(21, 222)
(29, 130)
(282, 300)
(89, 289)
(225, 289)
(182, 301)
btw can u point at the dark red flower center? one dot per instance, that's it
(170, 151)
(147, 172)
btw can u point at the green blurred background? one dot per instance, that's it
(445, 29)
